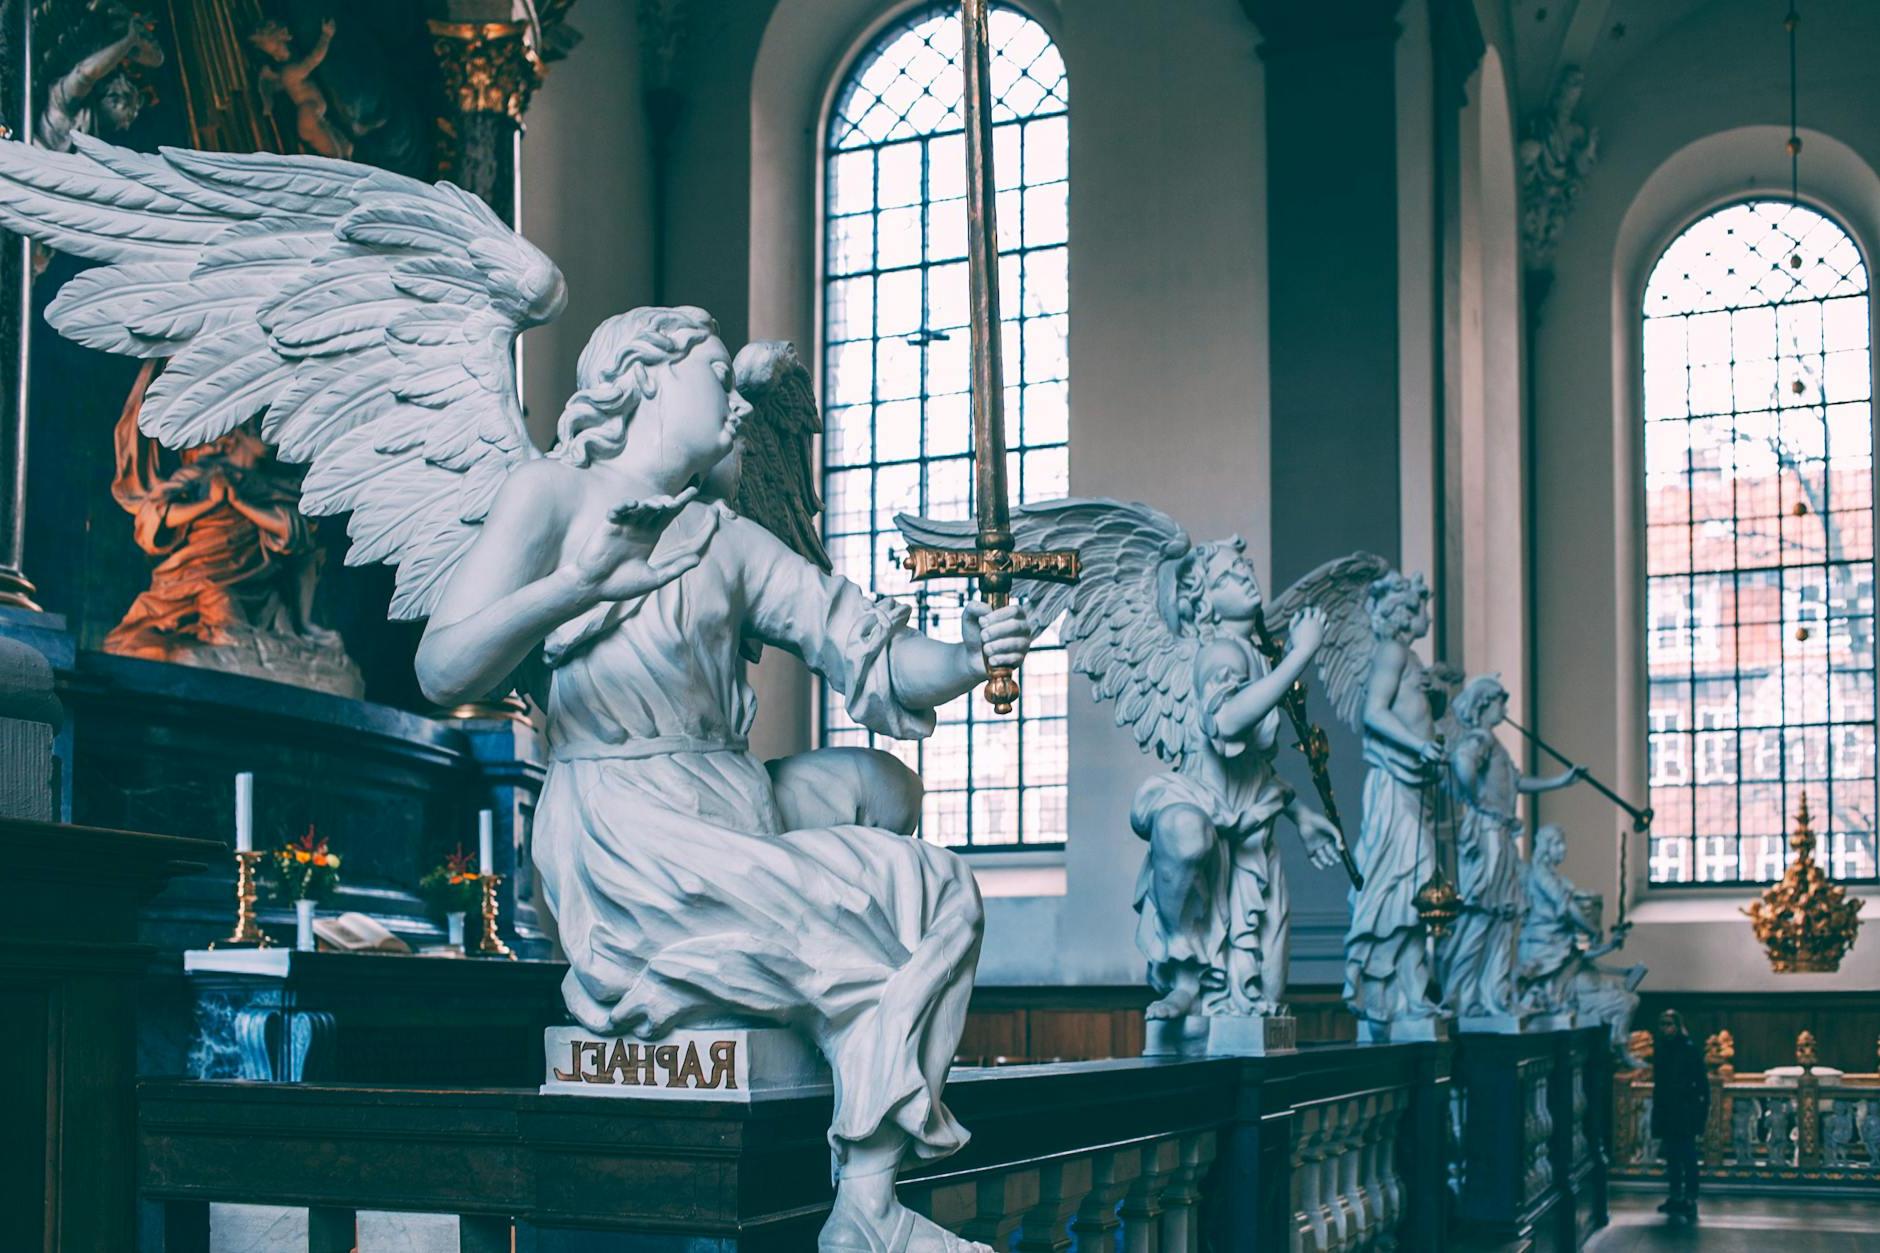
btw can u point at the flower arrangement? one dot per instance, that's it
(304, 870)
(455, 887)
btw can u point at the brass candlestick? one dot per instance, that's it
(491, 945)
(247, 933)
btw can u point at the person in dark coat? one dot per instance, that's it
(1680, 1108)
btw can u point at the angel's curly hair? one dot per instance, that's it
(1481, 691)
(615, 375)
(1187, 602)
(1391, 594)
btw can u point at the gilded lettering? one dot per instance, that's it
(689, 1069)
(640, 1066)
(724, 1055)
(573, 1073)
(666, 1057)
(599, 1049)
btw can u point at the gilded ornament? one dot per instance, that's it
(488, 67)
(1806, 922)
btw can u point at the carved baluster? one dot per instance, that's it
(1062, 1191)
(1181, 1228)
(1000, 1205)
(1340, 1164)
(1142, 1205)
(1361, 1184)
(1309, 1226)
(1111, 1175)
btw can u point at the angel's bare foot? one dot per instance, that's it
(867, 1218)
(1181, 997)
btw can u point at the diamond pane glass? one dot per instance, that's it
(1759, 551)
(897, 368)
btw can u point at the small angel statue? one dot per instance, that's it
(374, 318)
(1476, 962)
(1166, 628)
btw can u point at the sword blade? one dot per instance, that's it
(991, 508)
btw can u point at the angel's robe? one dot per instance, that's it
(679, 896)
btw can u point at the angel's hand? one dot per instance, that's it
(1307, 631)
(1321, 835)
(617, 562)
(1433, 752)
(996, 637)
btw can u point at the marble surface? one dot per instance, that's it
(269, 1229)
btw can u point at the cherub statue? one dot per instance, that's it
(292, 76)
(1476, 961)
(97, 92)
(1378, 686)
(1562, 940)
(375, 318)
(1165, 627)
(233, 586)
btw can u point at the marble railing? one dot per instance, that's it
(1337, 1148)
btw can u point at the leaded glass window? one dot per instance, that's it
(1759, 503)
(896, 376)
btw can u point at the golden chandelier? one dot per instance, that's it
(1806, 922)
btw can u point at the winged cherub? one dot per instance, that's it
(1166, 627)
(374, 319)
(1379, 688)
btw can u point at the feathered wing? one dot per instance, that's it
(1115, 630)
(1338, 589)
(371, 316)
(777, 480)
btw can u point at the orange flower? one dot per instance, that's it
(302, 855)
(319, 859)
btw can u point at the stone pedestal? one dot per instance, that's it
(1406, 1031)
(1514, 1024)
(1221, 1035)
(714, 1064)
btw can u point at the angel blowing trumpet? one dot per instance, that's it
(620, 577)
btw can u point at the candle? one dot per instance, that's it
(486, 842)
(244, 812)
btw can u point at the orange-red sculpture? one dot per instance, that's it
(233, 586)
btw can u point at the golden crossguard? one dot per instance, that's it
(993, 562)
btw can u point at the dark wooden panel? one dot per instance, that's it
(1846, 1024)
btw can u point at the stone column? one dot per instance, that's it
(1331, 177)
(489, 70)
(16, 590)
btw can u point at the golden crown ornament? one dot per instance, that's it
(1806, 922)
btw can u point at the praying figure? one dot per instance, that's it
(1476, 961)
(616, 576)
(1167, 629)
(237, 563)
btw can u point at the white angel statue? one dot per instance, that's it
(1165, 628)
(374, 319)
(1378, 686)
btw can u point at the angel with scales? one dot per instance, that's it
(1165, 627)
(620, 577)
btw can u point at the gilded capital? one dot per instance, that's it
(488, 67)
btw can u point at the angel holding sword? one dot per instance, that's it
(1166, 628)
(374, 318)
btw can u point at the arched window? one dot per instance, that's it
(1759, 504)
(896, 374)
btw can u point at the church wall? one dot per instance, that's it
(1665, 156)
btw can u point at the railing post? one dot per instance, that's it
(1808, 1120)
(1112, 1175)
(1423, 1152)
(1062, 1189)
(1142, 1204)
(1181, 1232)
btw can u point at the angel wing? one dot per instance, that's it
(777, 478)
(1344, 660)
(371, 316)
(1115, 630)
